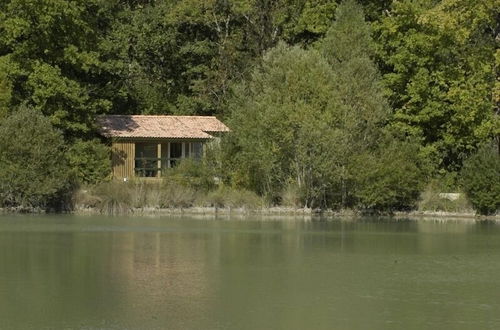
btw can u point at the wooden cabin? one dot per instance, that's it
(146, 146)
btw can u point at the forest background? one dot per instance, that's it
(331, 105)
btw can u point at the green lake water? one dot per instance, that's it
(74, 272)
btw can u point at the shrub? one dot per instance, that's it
(89, 161)
(481, 180)
(193, 174)
(34, 170)
(390, 180)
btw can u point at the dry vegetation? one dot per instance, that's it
(117, 197)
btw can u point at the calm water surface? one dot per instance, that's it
(69, 272)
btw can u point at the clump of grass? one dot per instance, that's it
(291, 196)
(116, 197)
(233, 198)
(136, 192)
(174, 195)
(144, 194)
(153, 196)
(112, 198)
(245, 199)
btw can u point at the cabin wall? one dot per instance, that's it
(122, 159)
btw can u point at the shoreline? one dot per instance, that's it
(293, 212)
(276, 212)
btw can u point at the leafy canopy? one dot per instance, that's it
(438, 60)
(32, 159)
(481, 180)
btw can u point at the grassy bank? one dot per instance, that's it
(170, 198)
(136, 196)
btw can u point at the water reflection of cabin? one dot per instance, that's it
(145, 146)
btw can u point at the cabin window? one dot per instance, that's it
(175, 153)
(151, 158)
(146, 159)
(197, 150)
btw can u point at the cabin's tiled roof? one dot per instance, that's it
(205, 123)
(174, 127)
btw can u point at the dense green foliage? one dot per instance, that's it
(89, 160)
(314, 121)
(194, 174)
(49, 51)
(283, 122)
(32, 161)
(309, 87)
(481, 180)
(438, 58)
(390, 179)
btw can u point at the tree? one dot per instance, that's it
(438, 62)
(481, 179)
(5, 89)
(51, 48)
(283, 127)
(158, 56)
(363, 109)
(306, 21)
(32, 160)
(183, 56)
(306, 119)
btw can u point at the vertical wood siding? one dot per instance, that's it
(122, 159)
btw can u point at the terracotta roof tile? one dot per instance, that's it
(142, 126)
(206, 123)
